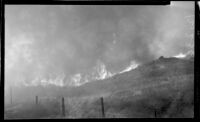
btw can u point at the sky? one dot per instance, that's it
(64, 42)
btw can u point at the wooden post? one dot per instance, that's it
(11, 95)
(63, 106)
(155, 114)
(36, 100)
(102, 107)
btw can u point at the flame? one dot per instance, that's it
(75, 79)
(100, 72)
(58, 81)
(103, 73)
(180, 55)
(132, 65)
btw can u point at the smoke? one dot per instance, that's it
(61, 44)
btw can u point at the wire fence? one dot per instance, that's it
(61, 108)
(91, 107)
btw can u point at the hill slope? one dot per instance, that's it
(149, 73)
(161, 88)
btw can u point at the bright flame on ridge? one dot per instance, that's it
(132, 65)
(180, 55)
(102, 72)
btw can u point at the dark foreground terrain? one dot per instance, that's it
(163, 88)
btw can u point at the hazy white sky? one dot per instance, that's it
(50, 40)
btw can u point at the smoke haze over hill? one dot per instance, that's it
(65, 42)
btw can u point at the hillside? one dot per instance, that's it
(163, 86)
(152, 72)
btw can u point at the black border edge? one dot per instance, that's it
(196, 64)
(109, 2)
(2, 57)
(90, 2)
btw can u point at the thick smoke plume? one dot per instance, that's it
(64, 43)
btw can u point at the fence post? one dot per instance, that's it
(36, 100)
(155, 114)
(11, 95)
(63, 106)
(102, 107)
